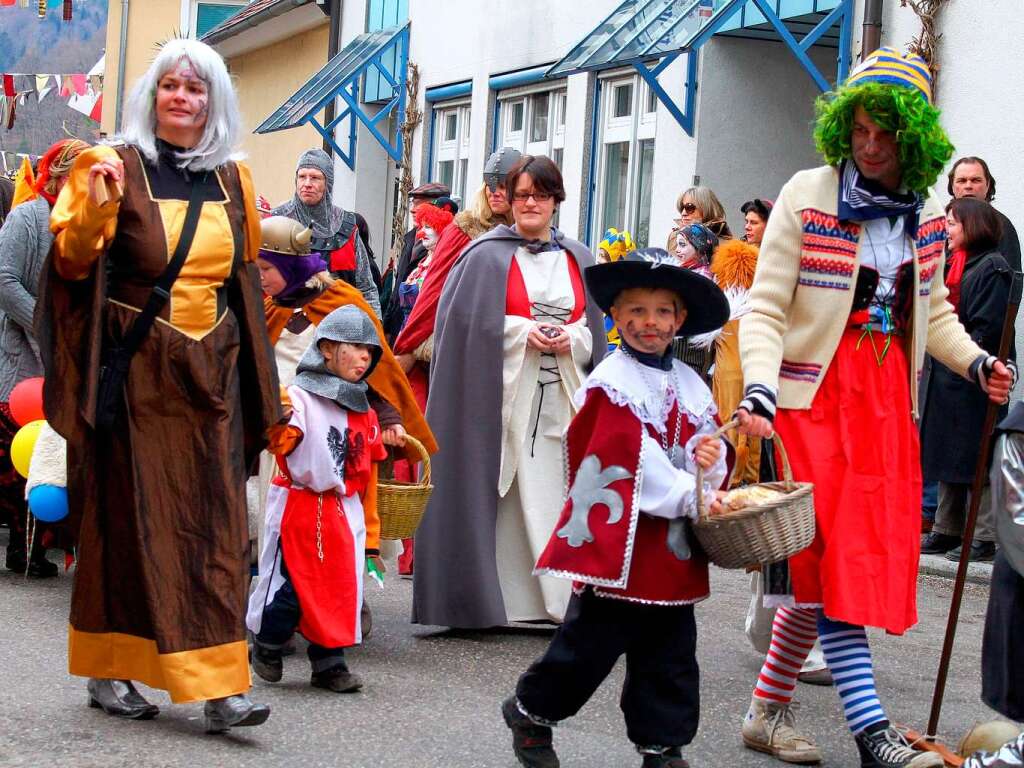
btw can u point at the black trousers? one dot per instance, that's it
(281, 620)
(661, 694)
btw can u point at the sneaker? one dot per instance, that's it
(266, 663)
(665, 758)
(981, 552)
(531, 742)
(936, 543)
(886, 748)
(337, 679)
(770, 727)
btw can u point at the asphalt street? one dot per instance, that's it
(432, 695)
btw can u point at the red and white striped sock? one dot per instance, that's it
(793, 634)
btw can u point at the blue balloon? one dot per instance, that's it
(49, 503)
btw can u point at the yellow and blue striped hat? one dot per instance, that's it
(887, 65)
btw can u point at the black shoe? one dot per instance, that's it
(531, 742)
(981, 552)
(16, 561)
(266, 663)
(233, 711)
(337, 679)
(120, 699)
(936, 543)
(669, 758)
(41, 568)
(886, 748)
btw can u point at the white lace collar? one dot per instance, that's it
(628, 382)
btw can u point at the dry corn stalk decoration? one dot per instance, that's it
(413, 117)
(926, 44)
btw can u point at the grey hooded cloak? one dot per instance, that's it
(456, 579)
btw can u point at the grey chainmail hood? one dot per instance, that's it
(325, 218)
(348, 324)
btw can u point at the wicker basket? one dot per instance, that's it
(401, 505)
(763, 533)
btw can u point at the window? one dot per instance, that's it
(518, 109)
(622, 100)
(206, 16)
(533, 120)
(539, 111)
(451, 147)
(625, 156)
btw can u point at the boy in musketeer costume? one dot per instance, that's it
(632, 453)
(311, 566)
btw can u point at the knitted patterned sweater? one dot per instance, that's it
(803, 293)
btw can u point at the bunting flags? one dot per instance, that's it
(66, 6)
(82, 91)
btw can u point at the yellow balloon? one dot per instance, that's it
(23, 444)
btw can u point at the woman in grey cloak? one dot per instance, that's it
(515, 334)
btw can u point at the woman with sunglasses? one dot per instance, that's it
(514, 338)
(700, 205)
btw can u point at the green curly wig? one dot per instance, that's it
(924, 149)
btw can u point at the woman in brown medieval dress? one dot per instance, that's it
(160, 589)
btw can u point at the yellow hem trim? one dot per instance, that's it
(196, 675)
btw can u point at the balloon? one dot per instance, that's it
(23, 444)
(49, 503)
(26, 401)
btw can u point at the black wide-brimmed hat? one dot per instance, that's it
(707, 309)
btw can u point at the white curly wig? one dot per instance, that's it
(223, 122)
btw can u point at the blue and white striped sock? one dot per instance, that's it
(849, 659)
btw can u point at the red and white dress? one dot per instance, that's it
(315, 522)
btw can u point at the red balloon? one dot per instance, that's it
(27, 401)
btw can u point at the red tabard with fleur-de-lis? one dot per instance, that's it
(627, 558)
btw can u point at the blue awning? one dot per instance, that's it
(340, 77)
(639, 32)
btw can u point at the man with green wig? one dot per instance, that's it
(847, 299)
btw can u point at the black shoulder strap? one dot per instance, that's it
(161, 292)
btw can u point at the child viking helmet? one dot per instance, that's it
(280, 234)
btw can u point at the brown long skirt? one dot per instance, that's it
(159, 593)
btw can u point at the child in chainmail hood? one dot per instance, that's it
(319, 508)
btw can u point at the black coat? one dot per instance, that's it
(955, 407)
(412, 254)
(1009, 243)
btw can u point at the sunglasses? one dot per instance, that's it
(687, 208)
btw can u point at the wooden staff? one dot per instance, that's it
(980, 476)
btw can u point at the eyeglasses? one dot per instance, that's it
(687, 208)
(538, 197)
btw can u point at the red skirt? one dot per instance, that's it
(859, 446)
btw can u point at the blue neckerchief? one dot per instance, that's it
(662, 362)
(862, 199)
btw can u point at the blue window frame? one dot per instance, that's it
(381, 14)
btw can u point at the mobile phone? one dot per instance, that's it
(551, 331)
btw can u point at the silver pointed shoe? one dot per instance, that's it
(120, 699)
(233, 711)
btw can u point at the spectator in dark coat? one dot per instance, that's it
(978, 279)
(970, 177)
(6, 197)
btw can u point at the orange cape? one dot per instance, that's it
(388, 378)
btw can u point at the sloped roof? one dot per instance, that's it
(246, 17)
